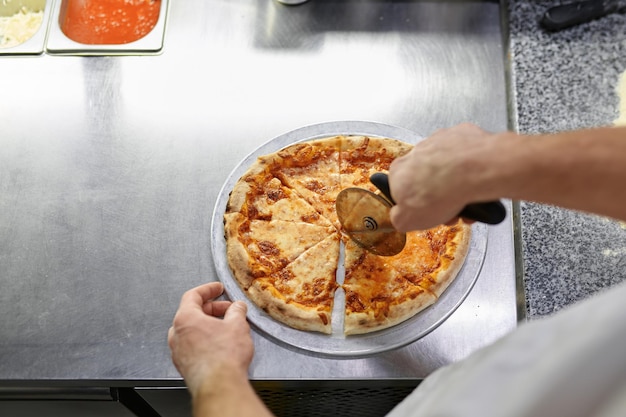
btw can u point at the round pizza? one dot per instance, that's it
(284, 241)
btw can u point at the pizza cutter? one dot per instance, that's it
(364, 216)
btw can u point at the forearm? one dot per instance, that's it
(582, 170)
(228, 393)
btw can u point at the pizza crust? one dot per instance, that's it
(366, 321)
(236, 254)
(452, 244)
(302, 294)
(362, 156)
(454, 258)
(242, 187)
(293, 315)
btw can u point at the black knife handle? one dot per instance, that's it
(381, 181)
(492, 212)
(566, 15)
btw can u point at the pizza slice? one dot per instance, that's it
(432, 258)
(362, 156)
(259, 195)
(257, 248)
(311, 169)
(301, 294)
(377, 296)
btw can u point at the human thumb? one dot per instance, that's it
(236, 311)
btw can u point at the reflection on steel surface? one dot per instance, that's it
(111, 167)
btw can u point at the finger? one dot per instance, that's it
(406, 220)
(468, 127)
(398, 162)
(198, 296)
(216, 308)
(210, 290)
(236, 311)
(439, 132)
(170, 336)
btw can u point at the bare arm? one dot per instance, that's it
(213, 354)
(582, 170)
(228, 393)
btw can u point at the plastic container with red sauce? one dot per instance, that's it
(108, 22)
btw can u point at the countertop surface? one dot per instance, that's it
(93, 135)
(563, 81)
(106, 203)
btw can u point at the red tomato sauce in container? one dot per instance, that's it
(108, 22)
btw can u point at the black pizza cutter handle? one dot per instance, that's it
(492, 212)
(571, 14)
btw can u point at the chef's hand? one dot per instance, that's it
(440, 176)
(204, 345)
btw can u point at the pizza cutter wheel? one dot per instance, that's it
(364, 216)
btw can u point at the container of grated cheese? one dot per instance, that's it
(23, 26)
(107, 27)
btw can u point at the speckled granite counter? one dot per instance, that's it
(563, 81)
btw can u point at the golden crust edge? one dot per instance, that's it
(291, 314)
(236, 254)
(237, 196)
(397, 146)
(398, 313)
(445, 277)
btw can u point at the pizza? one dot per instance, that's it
(284, 240)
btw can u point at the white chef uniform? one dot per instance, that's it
(572, 364)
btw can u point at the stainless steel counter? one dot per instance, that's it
(110, 168)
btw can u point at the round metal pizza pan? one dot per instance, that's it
(337, 345)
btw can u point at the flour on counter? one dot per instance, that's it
(613, 253)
